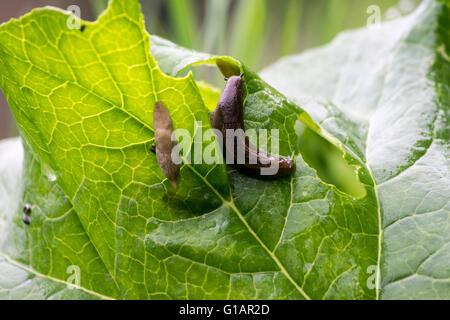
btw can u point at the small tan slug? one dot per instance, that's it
(162, 123)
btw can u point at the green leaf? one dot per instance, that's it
(385, 95)
(83, 101)
(18, 280)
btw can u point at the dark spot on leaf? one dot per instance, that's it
(153, 148)
(26, 219)
(27, 209)
(82, 27)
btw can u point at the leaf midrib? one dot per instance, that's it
(232, 206)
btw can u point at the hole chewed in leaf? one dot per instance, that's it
(328, 161)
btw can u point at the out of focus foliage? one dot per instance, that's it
(258, 32)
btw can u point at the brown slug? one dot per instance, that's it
(162, 123)
(229, 116)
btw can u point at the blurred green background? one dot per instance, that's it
(257, 32)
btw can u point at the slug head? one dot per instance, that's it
(231, 100)
(235, 83)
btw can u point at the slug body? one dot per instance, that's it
(162, 123)
(229, 116)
